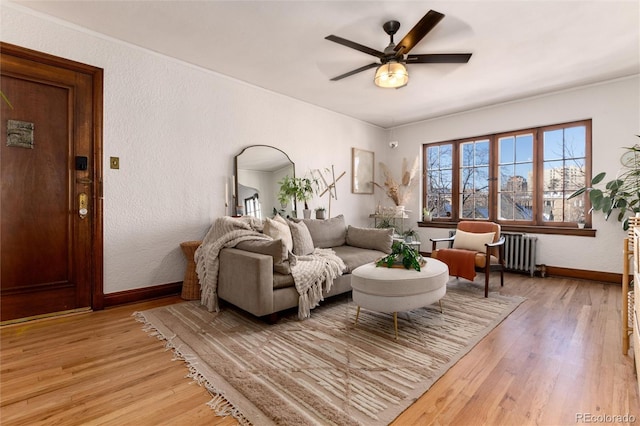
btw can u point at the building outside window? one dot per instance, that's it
(519, 177)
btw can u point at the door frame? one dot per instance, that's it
(97, 76)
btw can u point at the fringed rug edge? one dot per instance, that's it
(219, 403)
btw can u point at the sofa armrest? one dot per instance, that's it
(246, 280)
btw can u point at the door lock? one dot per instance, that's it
(83, 203)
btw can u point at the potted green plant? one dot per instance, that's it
(320, 213)
(426, 214)
(287, 191)
(305, 193)
(411, 235)
(385, 222)
(299, 189)
(621, 193)
(402, 254)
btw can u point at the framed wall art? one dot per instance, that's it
(362, 171)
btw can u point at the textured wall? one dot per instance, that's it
(176, 129)
(615, 109)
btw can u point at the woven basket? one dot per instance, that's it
(190, 285)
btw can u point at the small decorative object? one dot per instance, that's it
(327, 185)
(426, 215)
(362, 171)
(320, 213)
(402, 255)
(411, 236)
(400, 192)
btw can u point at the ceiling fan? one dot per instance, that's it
(391, 72)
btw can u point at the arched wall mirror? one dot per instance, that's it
(258, 168)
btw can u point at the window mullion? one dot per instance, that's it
(455, 191)
(493, 179)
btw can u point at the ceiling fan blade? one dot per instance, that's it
(439, 58)
(413, 37)
(354, 45)
(364, 68)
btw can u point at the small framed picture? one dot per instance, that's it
(361, 171)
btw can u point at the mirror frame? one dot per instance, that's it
(235, 170)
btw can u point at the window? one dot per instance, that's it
(439, 180)
(474, 179)
(521, 177)
(252, 206)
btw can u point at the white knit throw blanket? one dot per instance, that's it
(225, 232)
(309, 273)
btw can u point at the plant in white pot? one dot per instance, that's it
(299, 189)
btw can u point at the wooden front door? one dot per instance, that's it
(50, 166)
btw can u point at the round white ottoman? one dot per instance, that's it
(396, 290)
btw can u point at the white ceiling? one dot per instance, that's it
(520, 48)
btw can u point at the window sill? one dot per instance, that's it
(528, 229)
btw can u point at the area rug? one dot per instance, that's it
(325, 370)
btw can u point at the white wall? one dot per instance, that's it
(614, 108)
(176, 129)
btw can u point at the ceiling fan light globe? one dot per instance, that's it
(391, 75)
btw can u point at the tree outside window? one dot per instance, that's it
(520, 177)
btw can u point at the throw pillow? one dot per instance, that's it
(279, 231)
(280, 219)
(274, 248)
(327, 233)
(302, 242)
(472, 241)
(370, 238)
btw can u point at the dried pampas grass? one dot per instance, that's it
(400, 193)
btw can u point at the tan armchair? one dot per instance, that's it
(478, 245)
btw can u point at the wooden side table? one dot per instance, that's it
(190, 285)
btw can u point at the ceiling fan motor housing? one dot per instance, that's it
(390, 69)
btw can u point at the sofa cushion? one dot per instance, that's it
(356, 256)
(370, 238)
(327, 233)
(282, 281)
(472, 241)
(302, 241)
(273, 248)
(277, 230)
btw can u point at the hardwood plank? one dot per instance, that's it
(558, 355)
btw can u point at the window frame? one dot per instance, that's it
(537, 222)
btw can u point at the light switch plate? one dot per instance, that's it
(114, 162)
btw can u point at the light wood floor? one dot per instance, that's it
(556, 357)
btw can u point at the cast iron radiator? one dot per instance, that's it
(519, 252)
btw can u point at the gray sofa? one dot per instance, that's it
(255, 275)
